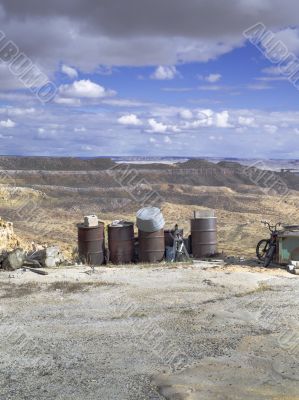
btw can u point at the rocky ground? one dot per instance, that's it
(177, 332)
(196, 331)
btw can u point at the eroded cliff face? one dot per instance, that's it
(8, 239)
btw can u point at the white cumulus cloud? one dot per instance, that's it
(157, 127)
(84, 89)
(212, 78)
(165, 73)
(7, 123)
(160, 127)
(69, 71)
(204, 118)
(246, 121)
(129, 119)
(221, 120)
(290, 38)
(186, 114)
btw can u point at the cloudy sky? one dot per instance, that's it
(150, 77)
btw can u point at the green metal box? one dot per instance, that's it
(288, 247)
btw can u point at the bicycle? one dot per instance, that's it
(266, 248)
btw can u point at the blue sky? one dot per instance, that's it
(168, 81)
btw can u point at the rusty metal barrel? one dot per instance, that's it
(91, 244)
(169, 236)
(149, 219)
(150, 223)
(121, 242)
(204, 236)
(151, 246)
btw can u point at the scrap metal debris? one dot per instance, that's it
(47, 258)
(13, 260)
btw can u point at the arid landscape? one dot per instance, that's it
(149, 198)
(222, 329)
(45, 198)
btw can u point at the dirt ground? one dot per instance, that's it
(199, 331)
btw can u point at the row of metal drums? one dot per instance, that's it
(121, 244)
(149, 247)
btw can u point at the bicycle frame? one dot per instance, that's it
(272, 242)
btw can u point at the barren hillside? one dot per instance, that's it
(46, 197)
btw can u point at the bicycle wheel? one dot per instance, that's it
(269, 255)
(262, 248)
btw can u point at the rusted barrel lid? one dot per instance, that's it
(120, 224)
(150, 219)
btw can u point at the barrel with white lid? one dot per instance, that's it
(150, 219)
(150, 223)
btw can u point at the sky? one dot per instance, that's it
(200, 78)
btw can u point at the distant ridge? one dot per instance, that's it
(54, 163)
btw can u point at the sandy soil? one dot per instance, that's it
(200, 331)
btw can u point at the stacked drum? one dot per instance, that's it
(121, 242)
(91, 243)
(204, 236)
(150, 223)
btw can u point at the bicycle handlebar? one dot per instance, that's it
(272, 228)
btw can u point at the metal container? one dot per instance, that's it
(288, 247)
(91, 244)
(151, 246)
(204, 236)
(121, 242)
(169, 236)
(149, 219)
